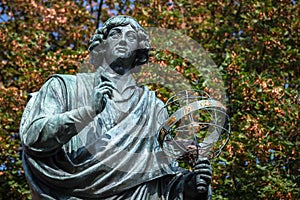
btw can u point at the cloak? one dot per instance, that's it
(72, 153)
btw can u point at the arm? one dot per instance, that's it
(48, 123)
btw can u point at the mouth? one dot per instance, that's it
(121, 49)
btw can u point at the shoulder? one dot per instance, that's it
(58, 83)
(62, 79)
(152, 95)
(57, 88)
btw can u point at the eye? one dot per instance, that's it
(131, 37)
(114, 34)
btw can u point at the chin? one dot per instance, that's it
(124, 56)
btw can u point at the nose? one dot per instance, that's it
(123, 40)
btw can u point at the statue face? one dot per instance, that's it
(121, 45)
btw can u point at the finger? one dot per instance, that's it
(203, 177)
(107, 85)
(104, 78)
(104, 87)
(202, 166)
(98, 95)
(107, 93)
(200, 181)
(202, 161)
(100, 106)
(201, 184)
(204, 171)
(201, 189)
(102, 91)
(203, 180)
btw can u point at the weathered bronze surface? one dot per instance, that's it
(94, 135)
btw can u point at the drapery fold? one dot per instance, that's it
(98, 156)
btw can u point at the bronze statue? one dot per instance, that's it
(94, 135)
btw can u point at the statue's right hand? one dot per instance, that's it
(102, 91)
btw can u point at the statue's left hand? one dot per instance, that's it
(198, 181)
(203, 174)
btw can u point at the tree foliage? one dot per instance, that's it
(254, 43)
(38, 38)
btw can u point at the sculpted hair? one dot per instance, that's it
(97, 42)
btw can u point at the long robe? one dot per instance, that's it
(72, 153)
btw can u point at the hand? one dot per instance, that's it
(203, 173)
(197, 182)
(102, 91)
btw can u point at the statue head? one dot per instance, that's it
(98, 42)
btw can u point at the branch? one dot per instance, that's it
(99, 14)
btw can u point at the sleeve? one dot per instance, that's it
(48, 125)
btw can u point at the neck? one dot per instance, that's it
(121, 65)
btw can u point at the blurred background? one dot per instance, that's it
(254, 43)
